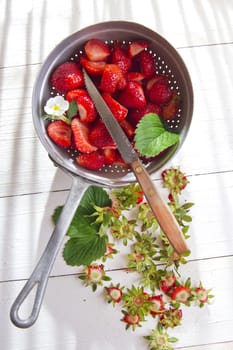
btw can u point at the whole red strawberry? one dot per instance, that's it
(67, 76)
(160, 92)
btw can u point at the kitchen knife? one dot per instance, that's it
(159, 207)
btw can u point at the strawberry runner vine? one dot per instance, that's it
(103, 218)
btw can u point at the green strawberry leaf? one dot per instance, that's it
(151, 137)
(72, 110)
(87, 240)
(78, 251)
(83, 223)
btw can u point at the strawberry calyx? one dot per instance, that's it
(132, 320)
(94, 275)
(174, 179)
(114, 293)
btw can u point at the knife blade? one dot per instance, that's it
(159, 207)
(124, 146)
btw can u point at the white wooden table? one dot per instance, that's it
(72, 317)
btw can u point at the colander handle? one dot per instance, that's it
(161, 210)
(40, 275)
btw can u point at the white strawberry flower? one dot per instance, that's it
(56, 106)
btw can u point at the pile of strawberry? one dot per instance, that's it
(128, 79)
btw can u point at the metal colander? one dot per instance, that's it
(169, 63)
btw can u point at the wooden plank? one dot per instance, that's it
(69, 319)
(29, 32)
(26, 226)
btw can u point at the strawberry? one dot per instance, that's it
(86, 108)
(60, 133)
(181, 294)
(67, 76)
(147, 64)
(160, 92)
(93, 68)
(96, 50)
(135, 47)
(109, 156)
(81, 136)
(135, 115)
(112, 78)
(167, 283)
(121, 58)
(120, 161)
(135, 76)
(170, 110)
(128, 128)
(100, 137)
(92, 161)
(155, 78)
(117, 109)
(157, 306)
(133, 95)
(75, 94)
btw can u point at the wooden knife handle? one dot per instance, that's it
(161, 210)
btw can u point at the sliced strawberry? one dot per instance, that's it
(160, 92)
(112, 78)
(75, 94)
(133, 95)
(96, 50)
(170, 110)
(92, 161)
(60, 133)
(135, 115)
(121, 58)
(81, 136)
(136, 47)
(109, 156)
(119, 111)
(147, 64)
(181, 294)
(86, 108)
(100, 137)
(135, 76)
(120, 161)
(128, 128)
(67, 76)
(150, 82)
(93, 68)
